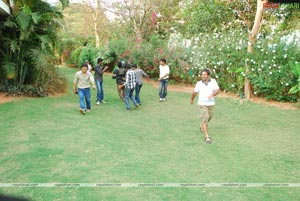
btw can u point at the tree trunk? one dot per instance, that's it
(252, 41)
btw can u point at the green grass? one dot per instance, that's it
(47, 140)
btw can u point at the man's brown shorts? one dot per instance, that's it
(206, 113)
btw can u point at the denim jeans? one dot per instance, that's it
(137, 93)
(128, 94)
(163, 87)
(84, 98)
(100, 92)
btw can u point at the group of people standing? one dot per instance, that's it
(129, 78)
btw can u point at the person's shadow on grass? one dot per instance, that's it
(12, 198)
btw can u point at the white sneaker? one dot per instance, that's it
(103, 101)
(88, 110)
(98, 103)
(160, 99)
(163, 99)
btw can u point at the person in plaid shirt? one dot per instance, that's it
(130, 84)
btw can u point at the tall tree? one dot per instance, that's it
(98, 19)
(252, 40)
(142, 15)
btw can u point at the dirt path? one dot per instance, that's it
(4, 98)
(189, 89)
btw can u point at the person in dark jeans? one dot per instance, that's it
(139, 82)
(163, 79)
(99, 70)
(130, 84)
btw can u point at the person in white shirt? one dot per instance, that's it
(207, 89)
(90, 67)
(163, 79)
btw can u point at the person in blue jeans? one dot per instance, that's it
(163, 79)
(139, 82)
(82, 81)
(130, 84)
(99, 70)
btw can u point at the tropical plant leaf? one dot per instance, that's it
(23, 20)
(10, 69)
(36, 17)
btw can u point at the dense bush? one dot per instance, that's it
(27, 45)
(271, 70)
(226, 55)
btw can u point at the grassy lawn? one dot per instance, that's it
(47, 140)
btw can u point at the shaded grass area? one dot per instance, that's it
(47, 140)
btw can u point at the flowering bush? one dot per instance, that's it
(270, 69)
(225, 54)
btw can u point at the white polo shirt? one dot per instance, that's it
(164, 70)
(205, 90)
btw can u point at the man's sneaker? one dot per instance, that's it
(82, 111)
(136, 106)
(98, 103)
(160, 99)
(103, 101)
(163, 99)
(88, 110)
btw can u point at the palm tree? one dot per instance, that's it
(28, 42)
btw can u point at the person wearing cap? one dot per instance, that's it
(82, 81)
(99, 70)
(130, 84)
(207, 88)
(139, 82)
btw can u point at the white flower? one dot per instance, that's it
(255, 93)
(265, 61)
(286, 84)
(273, 51)
(274, 65)
(285, 56)
(232, 85)
(270, 73)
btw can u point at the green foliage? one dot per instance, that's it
(295, 69)
(271, 70)
(28, 36)
(74, 59)
(88, 53)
